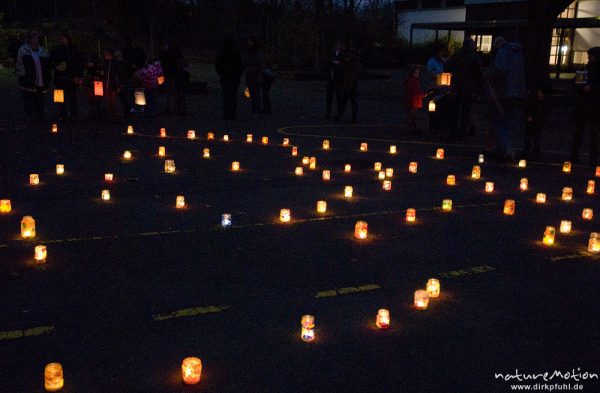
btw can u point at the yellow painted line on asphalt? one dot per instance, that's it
(190, 312)
(347, 290)
(16, 334)
(468, 271)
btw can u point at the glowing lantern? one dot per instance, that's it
(567, 194)
(421, 299)
(53, 377)
(524, 184)
(129, 129)
(451, 180)
(127, 154)
(587, 214)
(60, 169)
(140, 97)
(444, 79)
(364, 147)
(299, 171)
(59, 95)
(598, 171)
(180, 202)
(225, 220)
(160, 80)
(105, 195)
(248, 137)
(509, 207)
(522, 163)
(206, 152)
(286, 141)
(247, 93)
(489, 186)
(412, 167)
(285, 215)
(235, 166)
(27, 227)
(191, 370)
(389, 172)
(108, 177)
(347, 168)
(567, 167)
(265, 140)
(387, 185)
(294, 151)
(591, 187)
(361, 229)
(411, 215)
(326, 144)
(348, 191)
(54, 128)
(161, 151)
(326, 174)
(433, 287)
(439, 154)
(321, 206)
(383, 319)
(5, 206)
(481, 159)
(540, 197)
(431, 106)
(312, 164)
(40, 254)
(377, 166)
(594, 243)
(549, 235)
(163, 132)
(447, 205)
(308, 328)
(305, 160)
(565, 226)
(392, 149)
(225, 138)
(191, 134)
(34, 179)
(210, 136)
(476, 172)
(381, 175)
(169, 166)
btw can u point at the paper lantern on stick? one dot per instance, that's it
(312, 164)
(431, 106)
(567, 194)
(140, 97)
(286, 141)
(305, 160)
(383, 319)
(60, 169)
(597, 173)
(524, 184)
(392, 149)
(389, 172)
(5, 206)
(210, 136)
(308, 328)
(235, 166)
(381, 175)
(40, 254)
(481, 159)
(54, 128)
(522, 163)
(129, 129)
(249, 138)
(347, 168)
(364, 147)
(326, 174)
(451, 180)
(59, 96)
(225, 220)
(377, 166)
(361, 229)
(447, 205)
(225, 138)
(421, 299)
(163, 132)
(294, 151)
(191, 134)
(387, 185)
(540, 197)
(105, 195)
(191, 370)
(348, 191)
(108, 177)
(161, 151)
(489, 186)
(206, 152)
(476, 172)
(299, 171)
(265, 140)
(53, 377)
(127, 154)
(180, 202)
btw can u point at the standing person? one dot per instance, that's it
(536, 115)
(34, 71)
(335, 72)
(467, 83)
(255, 64)
(93, 73)
(133, 58)
(68, 74)
(110, 83)
(414, 99)
(435, 66)
(268, 79)
(587, 109)
(171, 60)
(147, 76)
(508, 77)
(352, 72)
(230, 68)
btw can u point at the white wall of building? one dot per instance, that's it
(406, 19)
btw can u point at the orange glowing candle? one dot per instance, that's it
(421, 299)
(383, 319)
(433, 287)
(549, 235)
(509, 207)
(412, 167)
(5, 206)
(191, 370)
(411, 215)
(53, 377)
(361, 230)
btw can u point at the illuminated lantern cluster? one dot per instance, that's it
(509, 207)
(191, 370)
(169, 166)
(549, 235)
(5, 206)
(40, 254)
(285, 215)
(308, 328)
(27, 227)
(361, 229)
(53, 377)
(383, 319)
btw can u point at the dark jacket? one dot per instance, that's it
(255, 64)
(134, 57)
(335, 66)
(508, 72)
(67, 63)
(26, 70)
(352, 70)
(229, 65)
(170, 59)
(467, 73)
(110, 75)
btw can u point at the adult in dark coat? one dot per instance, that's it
(335, 74)
(34, 70)
(132, 59)
(173, 64)
(349, 89)
(68, 66)
(230, 68)
(255, 64)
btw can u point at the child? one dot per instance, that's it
(414, 99)
(148, 76)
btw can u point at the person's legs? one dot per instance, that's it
(29, 103)
(71, 94)
(354, 102)
(169, 92)
(340, 98)
(329, 91)
(255, 97)
(503, 133)
(464, 117)
(40, 103)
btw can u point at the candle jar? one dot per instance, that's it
(27, 227)
(481, 159)
(169, 166)
(248, 138)
(326, 144)
(191, 134)
(321, 206)
(412, 167)
(567, 194)
(265, 140)
(225, 138)
(392, 149)
(447, 205)
(381, 175)
(5, 206)
(180, 202)
(540, 197)
(299, 171)
(127, 154)
(361, 230)
(348, 190)
(40, 254)
(161, 151)
(163, 132)
(105, 195)
(129, 129)
(476, 172)
(326, 174)
(439, 154)
(206, 152)
(308, 328)
(347, 168)
(389, 172)
(108, 177)
(225, 220)
(294, 151)
(34, 179)
(305, 160)
(312, 163)
(431, 106)
(53, 377)
(597, 171)
(55, 128)
(191, 370)
(387, 185)
(433, 287)
(509, 207)
(411, 215)
(594, 243)
(286, 142)
(210, 136)
(591, 187)
(489, 186)
(285, 215)
(421, 299)
(377, 166)
(565, 226)
(522, 163)
(549, 235)
(383, 319)
(524, 184)
(451, 180)
(587, 214)
(567, 167)
(363, 147)
(235, 166)
(60, 169)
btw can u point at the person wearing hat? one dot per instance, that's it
(587, 109)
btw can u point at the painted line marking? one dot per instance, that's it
(347, 290)
(16, 334)
(582, 254)
(468, 271)
(190, 312)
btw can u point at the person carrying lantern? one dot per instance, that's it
(68, 74)
(414, 99)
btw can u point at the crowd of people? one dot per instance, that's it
(511, 107)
